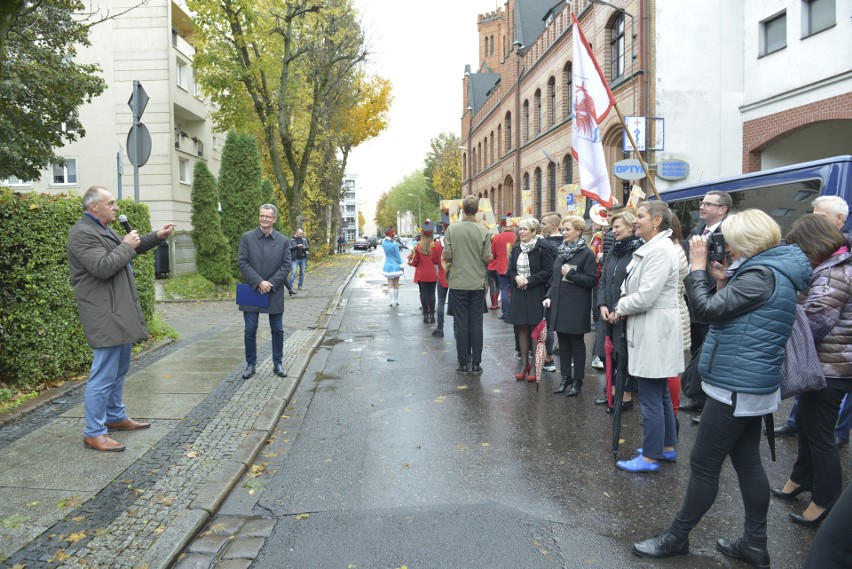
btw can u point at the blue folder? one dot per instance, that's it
(247, 296)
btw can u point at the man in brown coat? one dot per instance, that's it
(109, 309)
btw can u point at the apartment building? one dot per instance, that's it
(349, 210)
(152, 43)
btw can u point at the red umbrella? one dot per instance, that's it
(539, 336)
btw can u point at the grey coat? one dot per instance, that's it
(103, 283)
(262, 258)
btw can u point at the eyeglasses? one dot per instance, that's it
(267, 217)
(708, 204)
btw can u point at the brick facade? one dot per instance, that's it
(758, 134)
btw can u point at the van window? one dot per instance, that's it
(784, 202)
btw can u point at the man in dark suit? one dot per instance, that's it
(712, 211)
(264, 261)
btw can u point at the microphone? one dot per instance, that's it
(124, 223)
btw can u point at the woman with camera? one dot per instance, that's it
(653, 331)
(570, 300)
(828, 304)
(750, 315)
(530, 263)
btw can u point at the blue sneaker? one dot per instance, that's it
(668, 455)
(638, 464)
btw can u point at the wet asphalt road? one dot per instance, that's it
(397, 461)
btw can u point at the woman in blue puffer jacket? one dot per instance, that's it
(750, 315)
(828, 304)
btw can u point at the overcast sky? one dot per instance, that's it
(422, 48)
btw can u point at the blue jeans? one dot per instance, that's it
(505, 296)
(298, 264)
(276, 324)
(657, 416)
(102, 401)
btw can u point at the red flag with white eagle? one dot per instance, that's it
(592, 101)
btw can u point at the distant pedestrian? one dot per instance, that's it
(467, 246)
(264, 261)
(425, 274)
(341, 244)
(299, 248)
(501, 244)
(110, 311)
(393, 265)
(443, 286)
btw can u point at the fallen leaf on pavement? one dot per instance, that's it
(75, 537)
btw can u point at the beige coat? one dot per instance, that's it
(103, 283)
(649, 300)
(683, 270)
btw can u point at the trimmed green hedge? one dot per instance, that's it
(41, 338)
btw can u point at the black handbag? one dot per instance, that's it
(690, 379)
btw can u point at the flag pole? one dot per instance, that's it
(636, 150)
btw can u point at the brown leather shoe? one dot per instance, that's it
(103, 443)
(127, 424)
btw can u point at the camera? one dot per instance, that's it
(716, 247)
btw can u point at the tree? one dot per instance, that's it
(290, 64)
(443, 166)
(41, 86)
(404, 197)
(212, 251)
(368, 115)
(239, 189)
(361, 223)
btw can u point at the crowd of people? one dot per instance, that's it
(726, 295)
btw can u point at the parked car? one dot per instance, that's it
(374, 242)
(362, 243)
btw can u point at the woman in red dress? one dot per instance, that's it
(425, 273)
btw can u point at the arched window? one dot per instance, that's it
(464, 166)
(473, 162)
(537, 110)
(485, 153)
(485, 52)
(568, 169)
(508, 122)
(479, 158)
(551, 184)
(526, 184)
(551, 101)
(616, 45)
(525, 128)
(568, 81)
(499, 141)
(537, 193)
(492, 147)
(492, 45)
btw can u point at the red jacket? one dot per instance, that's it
(424, 267)
(437, 248)
(501, 244)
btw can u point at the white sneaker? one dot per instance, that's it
(597, 363)
(518, 355)
(550, 366)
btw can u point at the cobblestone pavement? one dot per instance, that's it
(62, 505)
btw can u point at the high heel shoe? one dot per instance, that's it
(788, 495)
(523, 373)
(803, 521)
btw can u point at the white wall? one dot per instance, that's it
(699, 86)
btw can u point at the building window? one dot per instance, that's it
(551, 101)
(773, 33)
(499, 140)
(491, 140)
(551, 184)
(568, 169)
(464, 166)
(492, 45)
(817, 15)
(537, 119)
(526, 182)
(616, 44)
(508, 131)
(567, 80)
(183, 171)
(65, 175)
(485, 153)
(538, 196)
(182, 75)
(526, 126)
(13, 182)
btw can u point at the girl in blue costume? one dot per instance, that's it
(393, 266)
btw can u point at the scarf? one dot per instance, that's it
(627, 246)
(568, 250)
(524, 258)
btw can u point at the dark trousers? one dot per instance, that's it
(276, 324)
(697, 334)
(720, 435)
(493, 282)
(832, 546)
(572, 348)
(442, 302)
(818, 463)
(427, 296)
(468, 308)
(658, 422)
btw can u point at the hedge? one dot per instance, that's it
(41, 337)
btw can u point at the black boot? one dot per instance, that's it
(566, 382)
(439, 331)
(425, 317)
(431, 318)
(575, 388)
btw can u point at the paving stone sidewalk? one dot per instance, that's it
(63, 505)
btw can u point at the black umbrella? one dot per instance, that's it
(619, 330)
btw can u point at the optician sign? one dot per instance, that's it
(630, 169)
(672, 169)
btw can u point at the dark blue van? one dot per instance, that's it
(784, 193)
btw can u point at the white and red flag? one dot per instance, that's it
(591, 102)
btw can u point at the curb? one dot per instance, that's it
(216, 489)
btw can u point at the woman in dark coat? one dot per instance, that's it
(570, 300)
(609, 290)
(530, 263)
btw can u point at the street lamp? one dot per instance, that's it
(420, 219)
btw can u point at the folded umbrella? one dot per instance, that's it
(620, 382)
(539, 336)
(609, 348)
